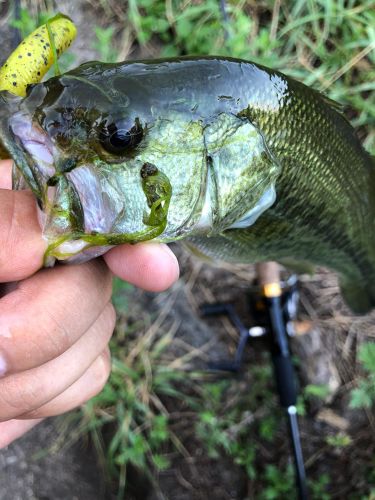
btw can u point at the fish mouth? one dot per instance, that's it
(95, 203)
(35, 141)
(33, 152)
(35, 156)
(102, 227)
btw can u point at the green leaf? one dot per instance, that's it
(361, 397)
(366, 356)
(340, 440)
(318, 391)
(268, 427)
(161, 462)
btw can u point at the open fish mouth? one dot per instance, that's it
(33, 141)
(79, 217)
(82, 182)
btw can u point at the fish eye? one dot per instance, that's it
(118, 137)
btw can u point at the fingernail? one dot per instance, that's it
(166, 249)
(3, 366)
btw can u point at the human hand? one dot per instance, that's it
(55, 324)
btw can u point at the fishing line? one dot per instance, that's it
(17, 37)
(226, 21)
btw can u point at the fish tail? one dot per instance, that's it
(359, 293)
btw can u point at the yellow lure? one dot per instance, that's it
(35, 55)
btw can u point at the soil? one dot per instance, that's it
(39, 467)
(328, 351)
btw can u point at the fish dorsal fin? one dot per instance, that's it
(337, 106)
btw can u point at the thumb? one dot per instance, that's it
(21, 244)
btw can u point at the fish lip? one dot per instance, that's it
(35, 143)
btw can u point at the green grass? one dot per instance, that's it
(363, 396)
(130, 402)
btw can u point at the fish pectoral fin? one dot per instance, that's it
(249, 218)
(196, 251)
(297, 266)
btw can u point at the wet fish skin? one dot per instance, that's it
(325, 207)
(228, 134)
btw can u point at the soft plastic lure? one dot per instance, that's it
(35, 55)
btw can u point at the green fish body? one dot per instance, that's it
(243, 162)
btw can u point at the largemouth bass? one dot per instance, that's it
(244, 162)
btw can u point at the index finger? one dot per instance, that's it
(21, 243)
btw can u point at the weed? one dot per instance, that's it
(130, 401)
(229, 417)
(28, 23)
(279, 483)
(309, 393)
(316, 391)
(340, 440)
(105, 45)
(120, 296)
(318, 488)
(363, 396)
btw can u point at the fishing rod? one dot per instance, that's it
(274, 309)
(269, 281)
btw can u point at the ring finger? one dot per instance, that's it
(83, 389)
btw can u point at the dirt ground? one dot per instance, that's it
(38, 467)
(328, 353)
